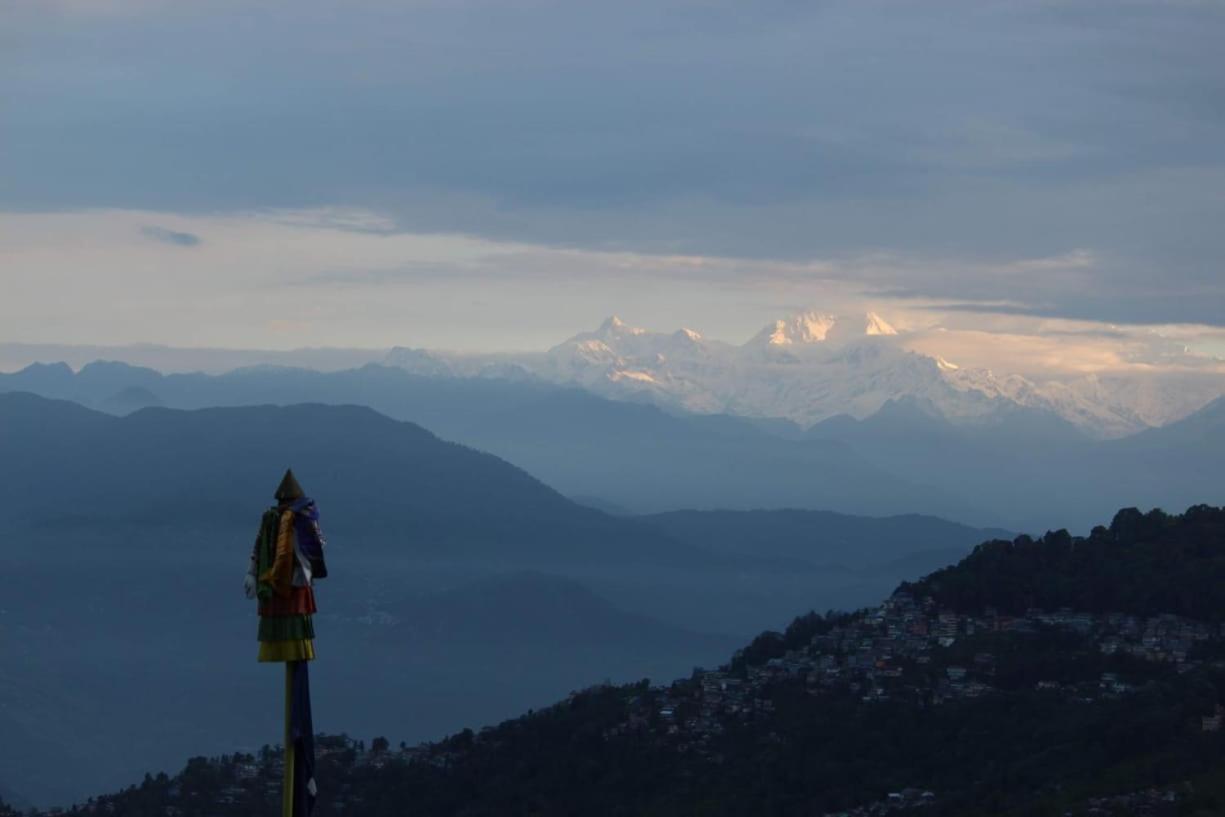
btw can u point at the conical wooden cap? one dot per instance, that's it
(289, 489)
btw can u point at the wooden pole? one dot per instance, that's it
(287, 792)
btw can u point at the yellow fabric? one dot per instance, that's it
(280, 575)
(303, 650)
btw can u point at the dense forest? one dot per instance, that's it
(1037, 677)
(1144, 563)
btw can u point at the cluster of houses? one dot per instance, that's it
(904, 649)
(1146, 803)
(896, 801)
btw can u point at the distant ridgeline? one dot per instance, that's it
(1037, 677)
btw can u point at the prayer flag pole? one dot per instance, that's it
(287, 789)
(286, 560)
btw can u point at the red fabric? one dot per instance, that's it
(299, 602)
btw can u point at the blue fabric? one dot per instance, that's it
(309, 535)
(302, 729)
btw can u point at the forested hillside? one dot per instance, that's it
(1143, 563)
(1097, 698)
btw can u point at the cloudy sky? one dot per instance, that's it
(499, 174)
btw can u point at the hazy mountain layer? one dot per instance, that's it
(462, 589)
(853, 543)
(1023, 469)
(633, 455)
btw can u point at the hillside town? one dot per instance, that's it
(908, 649)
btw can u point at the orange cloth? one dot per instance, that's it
(280, 575)
(287, 611)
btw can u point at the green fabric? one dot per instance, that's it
(265, 549)
(286, 628)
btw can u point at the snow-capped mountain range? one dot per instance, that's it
(813, 366)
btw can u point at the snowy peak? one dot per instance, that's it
(876, 325)
(615, 341)
(419, 361)
(614, 327)
(816, 327)
(812, 366)
(688, 334)
(849, 329)
(806, 327)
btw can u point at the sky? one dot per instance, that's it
(1042, 181)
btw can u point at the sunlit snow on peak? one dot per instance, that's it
(946, 366)
(818, 327)
(615, 326)
(876, 325)
(813, 365)
(806, 327)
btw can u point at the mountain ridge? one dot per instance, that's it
(575, 441)
(811, 366)
(802, 377)
(354, 440)
(1021, 469)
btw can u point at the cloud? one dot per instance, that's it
(962, 163)
(952, 130)
(344, 278)
(179, 239)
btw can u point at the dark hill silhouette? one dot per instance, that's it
(59, 461)
(632, 455)
(1144, 564)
